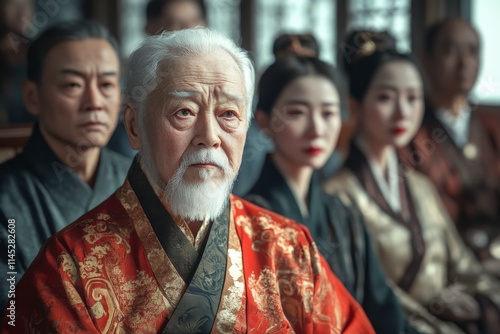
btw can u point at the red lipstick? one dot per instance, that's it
(398, 131)
(313, 151)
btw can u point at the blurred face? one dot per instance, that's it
(17, 14)
(78, 99)
(305, 122)
(179, 15)
(392, 109)
(298, 45)
(194, 130)
(454, 65)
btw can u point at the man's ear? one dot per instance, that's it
(31, 97)
(262, 120)
(131, 123)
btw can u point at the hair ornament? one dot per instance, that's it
(369, 42)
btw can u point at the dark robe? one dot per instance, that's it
(341, 237)
(43, 196)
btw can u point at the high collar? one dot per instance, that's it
(273, 187)
(62, 180)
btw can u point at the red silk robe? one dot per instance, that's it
(108, 273)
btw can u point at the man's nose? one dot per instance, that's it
(93, 99)
(206, 132)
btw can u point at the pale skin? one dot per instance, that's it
(77, 102)
(453, 65)
(391, 110)
(304, 125)
(393, 102)
(200, 104)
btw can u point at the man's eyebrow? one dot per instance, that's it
(182, 94)
(187, 93)
(237, 98)
(82, 74)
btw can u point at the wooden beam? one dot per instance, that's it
(104, 12)
(247, 25)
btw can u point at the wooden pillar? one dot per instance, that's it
(426, 12)
(247, 25)
(342, 15)
(105, 12)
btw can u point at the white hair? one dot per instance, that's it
(142, 75)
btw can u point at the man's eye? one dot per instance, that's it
(183, 113)
(107, 85)
(229, 114)
(71, 85)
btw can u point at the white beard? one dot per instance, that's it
(204, 199)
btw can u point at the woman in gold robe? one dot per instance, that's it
(440, 283)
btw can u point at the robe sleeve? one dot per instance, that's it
(48, 298)
(420, 318)
(465, 268)
(355, 320)
(380, 297)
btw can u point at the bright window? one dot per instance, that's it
(485, 19)
(382, 15)
(273, 17)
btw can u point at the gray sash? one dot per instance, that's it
(197, 309)
(204, 273)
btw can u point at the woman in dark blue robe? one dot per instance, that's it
(299, 108)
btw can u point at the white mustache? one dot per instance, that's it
(206, 156)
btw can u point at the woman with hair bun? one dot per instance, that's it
(299, 107)
(439, 282)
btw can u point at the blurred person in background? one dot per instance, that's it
(170, 15)
(15, 25)
(440, 283)
(299, 108)
(458, 145)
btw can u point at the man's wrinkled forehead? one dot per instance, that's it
(179, 73)
(186, 94)
(455, 30)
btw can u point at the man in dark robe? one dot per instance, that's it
(73, 88)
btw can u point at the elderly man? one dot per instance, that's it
(73, 88)
(172, 250)
(458, 146)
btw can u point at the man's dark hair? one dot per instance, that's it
(60, 32)
(155, 8)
